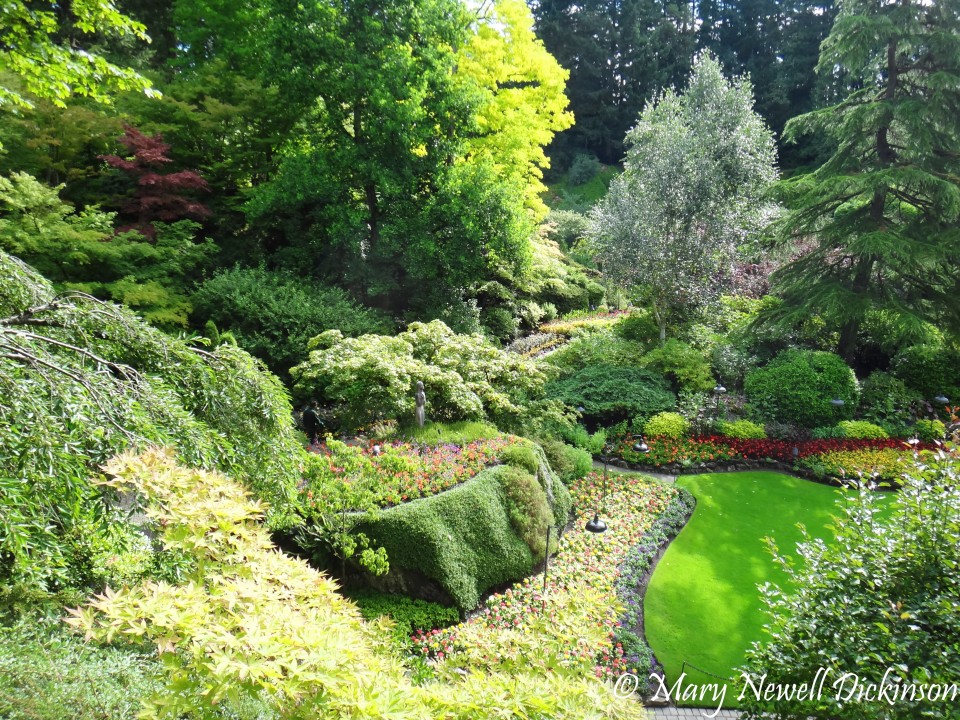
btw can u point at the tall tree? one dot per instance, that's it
(697, 167)
(883, 209)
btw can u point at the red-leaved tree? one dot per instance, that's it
(158, 195)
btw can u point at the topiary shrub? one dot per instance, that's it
(667, 424)
(742, 430)
(886, 400)
(862, 430)
(611, 394)
(684, 366)
(931, 370)
(520, 456)
(527, 508)
(797, 387)
(929, 430)
(568, 462)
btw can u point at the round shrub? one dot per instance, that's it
(929, 369)
(568, 462)
(520, 456)
(667, 424)
(862, 430)
(742, 430)
(885, 399)
(638, 327)
(684, 366)
(611, 394)
(797, 387)
(929, 430)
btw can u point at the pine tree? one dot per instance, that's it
(882, 212)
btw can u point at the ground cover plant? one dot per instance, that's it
(702, 604)
(553, 628)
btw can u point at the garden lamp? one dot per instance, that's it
(641, 447)
(597, 525)
(837, 402)
(941, 400)
(718, 391)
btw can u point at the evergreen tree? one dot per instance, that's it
(882, 211)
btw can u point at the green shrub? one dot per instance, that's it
(797, 387)
(638, 327)
(566, 227)
(862, 430)
(685, 367)
(667, 424)
(929, 369)
(579, 437)
(583, 169)
(829, 432)
(929, 430)
(458, 433)
(610, 394)
(520, 456)
(885, 399)
(408, 614)
(595, 346)
(742, 430)
(527, 508)
(568, 462)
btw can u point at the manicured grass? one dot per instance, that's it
(702, 605)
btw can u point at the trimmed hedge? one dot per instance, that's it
(464, 539)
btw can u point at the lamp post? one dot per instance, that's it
(718, 391)
(596, 525)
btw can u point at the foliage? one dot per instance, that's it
(79, 250)
(610, 394)
(565, 227)
(35, 49)
(590, 347)
(568, 462)
(521, 456)
(579, 437)
(861, 429)
(884, 590)
(685, 367)
(882, 210)
(930, 370)
(929, 430)
(156, 195)
(697, 167)
(667, 425)
(798, 385)
(742, 429)
(408, 615)
(45, 670)
(536, 345)
(527, 507)
(583, 168)
(885, 399)
(680, 452)
(459, 433)
(880, 465)
(273, 314)
(464, 376)
(306, 652)
(639, 327)
(82, 380)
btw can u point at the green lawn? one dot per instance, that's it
(702, 605)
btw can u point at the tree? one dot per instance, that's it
(691, 192)
(42, 48)
(883, 209)
(157, 196)
(877, 605)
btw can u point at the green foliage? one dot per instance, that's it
(589, 443)
(521, 456)
(742, 430)
(798, 385)
(861, 429)
(568, 462)
(599, 346)
(374, 376)
(273, 314)
(885, 399)
(825, 602)
(528, 509)
(929, 430)
(565, 227)
(610, 394)
(667, 424)
(45, 671)
(685, 367)
(583, 168)
(82, 380)
(828, 433)
(408, 614)
(458, 433)
(638, 327)
(931, 370)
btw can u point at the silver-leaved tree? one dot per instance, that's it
(697, 167)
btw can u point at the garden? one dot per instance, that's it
(437, 359)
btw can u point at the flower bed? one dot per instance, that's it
(885, 464)
(575, 628)
(573, 322)
(532, 346)
(406, 471)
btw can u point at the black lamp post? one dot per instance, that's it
(641, 447)
(597, 525)
(718, 391)
(941, 400)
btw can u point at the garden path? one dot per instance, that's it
(598, 466)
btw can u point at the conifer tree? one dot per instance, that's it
(882, 211)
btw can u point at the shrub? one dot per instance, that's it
(580, 438)
(566, 227)
(638, 327)
(520, 456)
(830, 432)
(929, 430)
(583, 169)
(742, 429)
(885, 399)
(931, 370)
(666, 424)
(685, 367)
(862, 430)
(459, 433)
(568, 462)
(798, 385)
(595, 346)
(527, 508)
(274, 314)
(408, 615)
(610, 394)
